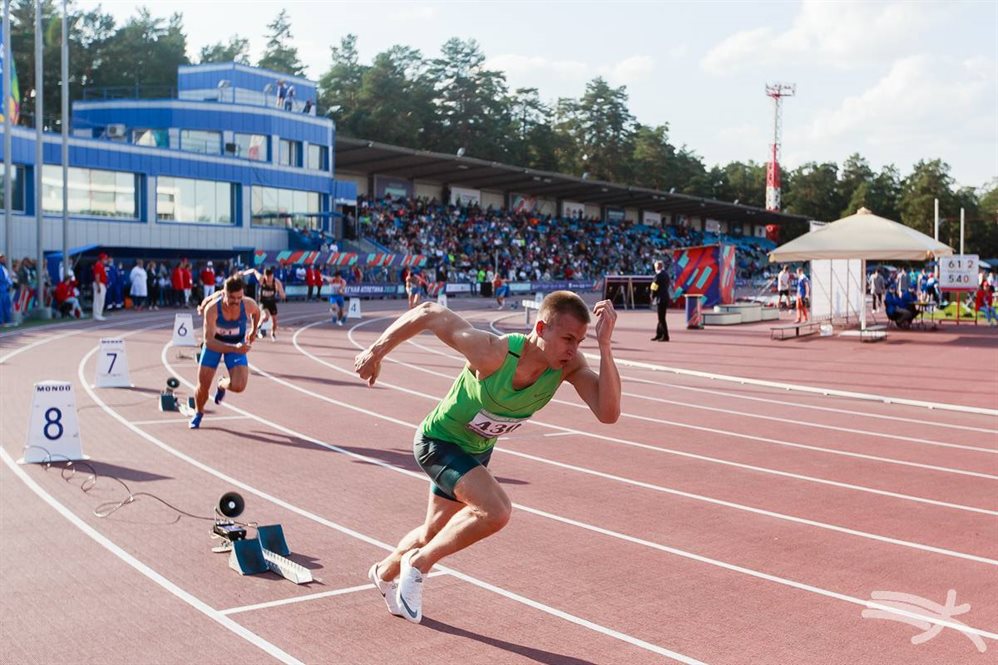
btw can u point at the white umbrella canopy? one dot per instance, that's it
(862, 236)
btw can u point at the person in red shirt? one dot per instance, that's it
(187, 280)
(100, 287)
(313, 278)
(177, 284)
(208, 279)
(65, 297)
(501, 290)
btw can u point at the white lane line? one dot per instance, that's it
(309, 597)
(749, 414)
(614, 534)
(739, 435)
(795, 405)
(183, 421)
(657, 449)
(47, 339)
(624, 637)
(825, 392)
(636, 483)
(142, 568)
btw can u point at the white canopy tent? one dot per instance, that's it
(863, 236)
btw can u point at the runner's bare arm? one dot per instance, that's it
(600, 391)
(483, 350)
(253, 313)
(210, 300)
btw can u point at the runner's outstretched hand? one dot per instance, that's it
(606, 318)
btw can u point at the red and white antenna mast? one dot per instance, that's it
(777, 91)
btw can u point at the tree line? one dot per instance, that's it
(455, 102)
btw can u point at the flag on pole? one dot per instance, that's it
(13, 99)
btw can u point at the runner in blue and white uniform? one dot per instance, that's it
(230, 327)
(337, 303)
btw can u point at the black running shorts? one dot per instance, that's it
(445, 463)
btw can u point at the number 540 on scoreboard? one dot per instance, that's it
(958, 273)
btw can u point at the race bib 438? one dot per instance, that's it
(489, 425)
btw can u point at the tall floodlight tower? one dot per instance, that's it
(777, 91)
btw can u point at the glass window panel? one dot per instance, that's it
(16, 188)
(194, 140)
(91, 192)
(251, 146)
(189, 200)
(166, 198)
(223, 202)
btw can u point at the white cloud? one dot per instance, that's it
(629, 70)
(924, 107)
(517, 65)
(839, 34)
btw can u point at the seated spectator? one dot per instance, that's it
(66, 301)
(900, 309)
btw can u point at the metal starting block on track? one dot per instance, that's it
(268, 551)
(252, 556)
(169, 401)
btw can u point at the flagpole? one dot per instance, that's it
(40, 309)
(8, 189)
(65, 143)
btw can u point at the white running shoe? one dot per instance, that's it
(388, 590)
(410, 590)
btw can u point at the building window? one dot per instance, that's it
(251, 146)
(195, 140)
(318, 157)
(195, 201)
(91, 192)
(156, 138)
(285, 208)
(16, 188)
(290, 153)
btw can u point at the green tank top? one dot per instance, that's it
(476, 412)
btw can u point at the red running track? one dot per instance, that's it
(716, 522)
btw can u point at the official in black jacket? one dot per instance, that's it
(660, 290)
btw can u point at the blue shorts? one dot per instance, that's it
(336, 300)
(211, 358)
(502, 291)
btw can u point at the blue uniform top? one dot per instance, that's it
(231, 332)
(802, 283)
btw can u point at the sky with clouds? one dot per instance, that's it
(893, 81)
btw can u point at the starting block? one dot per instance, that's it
(268, 551)
(169, 401)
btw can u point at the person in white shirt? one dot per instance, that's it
(139, 279)
(783, 287)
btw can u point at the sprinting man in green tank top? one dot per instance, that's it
(505, 381)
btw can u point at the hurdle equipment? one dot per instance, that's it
(183, 330)
(442, 298)
(53, 426)
(111, 370)
(353, 309)
(528, 305)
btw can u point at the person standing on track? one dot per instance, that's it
(803, 296)
(660, 290)
(337, 303)
(230, 325)
(506, 379)
(271, 289)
